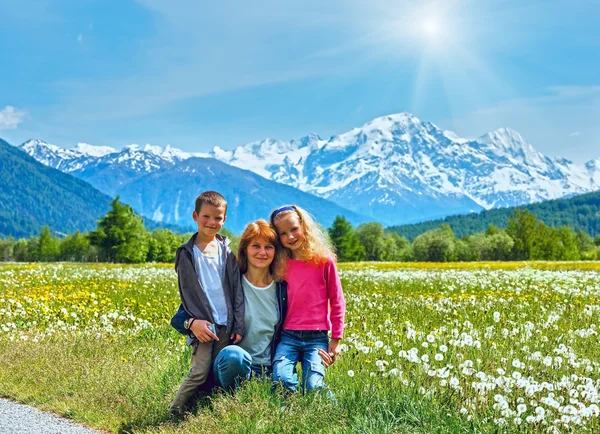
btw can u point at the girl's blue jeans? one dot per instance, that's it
(300, 346)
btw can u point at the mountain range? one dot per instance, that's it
(161, 188)
(395, 169)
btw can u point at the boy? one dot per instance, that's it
(211, 294)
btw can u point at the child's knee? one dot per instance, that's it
(316, 376)
(234, 357)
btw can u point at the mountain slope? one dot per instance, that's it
(580, 212)
(33, 195)
(168, 195)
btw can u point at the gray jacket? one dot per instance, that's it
(194, 299)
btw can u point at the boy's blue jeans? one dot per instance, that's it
(234, 365)
(300, 346)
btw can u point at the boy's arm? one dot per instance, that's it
(178, 320)
(237, 298)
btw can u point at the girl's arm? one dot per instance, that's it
(337, 303)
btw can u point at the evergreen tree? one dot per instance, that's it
(346, 241)
(121, 235)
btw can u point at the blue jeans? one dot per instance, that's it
(234, 365)
(300, 346)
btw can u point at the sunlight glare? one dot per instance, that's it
(431, 27)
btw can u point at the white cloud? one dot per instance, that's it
(80, 38)
(575, 134)
(10, 117)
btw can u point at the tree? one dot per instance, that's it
(585, 245)
(370, 236)
(163, 245)
(463, 251)
(76, 247)
(121, 235)
(345, 240)
(403, 248)
(568, 237)
(437, 245)
(6, 249)
(21, 250)
(522, 227)
(48, 248)
(498, 247)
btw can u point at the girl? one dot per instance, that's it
(315, 301)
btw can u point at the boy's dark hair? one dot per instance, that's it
(212, 198)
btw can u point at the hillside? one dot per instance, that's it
(33, 195)
(579, 212)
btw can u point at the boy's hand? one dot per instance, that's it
(202, 332)
(236, 338)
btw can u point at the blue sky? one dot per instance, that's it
(196, 74)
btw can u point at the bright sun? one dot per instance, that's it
(430, 27)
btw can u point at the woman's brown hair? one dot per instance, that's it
(259, 229)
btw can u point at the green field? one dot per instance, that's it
(507, 347)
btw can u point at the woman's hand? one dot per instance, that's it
(236, 338)
(200, 329)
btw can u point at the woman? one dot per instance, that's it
(265, 300)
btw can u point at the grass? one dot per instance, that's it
(93, 343)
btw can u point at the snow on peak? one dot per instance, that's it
(34, 144)
(94, 151)
(452, 136)
(506, 139)
(388, 122)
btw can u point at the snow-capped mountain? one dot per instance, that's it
(104, 167)
(395, 169)
(400, 169)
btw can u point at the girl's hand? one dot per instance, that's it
(334, 349)
(202, 332)
(327, 359)
(236, 338)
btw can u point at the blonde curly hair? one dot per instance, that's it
(317, 246)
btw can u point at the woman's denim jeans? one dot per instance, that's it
(234, 365)
(300, 346)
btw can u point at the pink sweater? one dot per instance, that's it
(315, 298)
